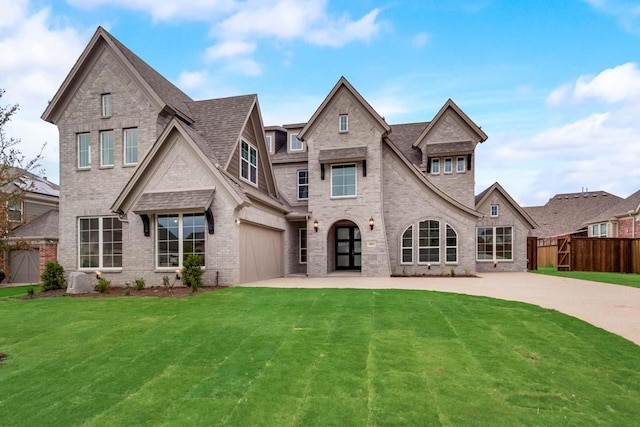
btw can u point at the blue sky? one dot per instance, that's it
(555, 84)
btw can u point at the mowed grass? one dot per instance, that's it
(12, 291)
(623, 279)
(310, 357)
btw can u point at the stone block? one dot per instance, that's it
(79, 283)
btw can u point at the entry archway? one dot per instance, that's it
(344, 245)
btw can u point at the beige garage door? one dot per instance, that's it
(25, 266)
(261, 253)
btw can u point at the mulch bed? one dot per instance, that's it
(157, 291)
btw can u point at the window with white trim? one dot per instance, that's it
(435, 166)
(106, 148)
(130, 137)
(302, 245)
(599, 230)
(343, 180)
(294, 143)
(494, 243)
(99, 242)
(428, 242)
(494, 211)
(343, 123)
(268, 140)
(448, 165)
(177, 237)
(105, 102)
(451, 245)
(249, 162)
(84, 150)
(303, 185)
(461, 164)
(406, 246)
(14, 211)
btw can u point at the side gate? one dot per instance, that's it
(564, 253)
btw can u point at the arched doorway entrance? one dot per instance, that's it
(344, 246)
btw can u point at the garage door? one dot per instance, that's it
(25, 267)
(261, 253)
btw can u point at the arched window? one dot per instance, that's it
(407, 246)
(451, 245)
(428, 242)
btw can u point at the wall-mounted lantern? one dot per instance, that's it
(315, 225)
(371, 223)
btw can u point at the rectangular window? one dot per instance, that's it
(249, 162)
(178, 236)
(268, 141)
(495, 210)
(303, 185)
(435, 166)
(14, 211)
(106, 148)
(302, 244)
(343, 180)
(461, 164)
(407, 246)
(429, 242)
(599, 230)
(105, 100)
(130, 146)
(451, 245)
(344, 123)
(494, 243)
(84, 150)
(294, 143)
(448, 165)
(100, 242)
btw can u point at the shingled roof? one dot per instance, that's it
(623, 208)
(567, 213)
(404, 135)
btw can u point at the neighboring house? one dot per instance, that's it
(149, 176)
(36, 223)
(567, 214)
(620, 220)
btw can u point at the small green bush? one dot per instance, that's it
(140, 284)
(165, 282)
(30, 292)
(192, 272)
(102, 286)
(53, 277)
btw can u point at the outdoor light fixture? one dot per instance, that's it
(371, 223)
(495, 263)
(98, 274)
(178, 274)
(237, 221)
(429, 266)
(315, 225)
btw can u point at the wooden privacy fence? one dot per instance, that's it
(616, 255)
(547, 256)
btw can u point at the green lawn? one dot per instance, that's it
(13, 291)
(287, 357)
(632, 280)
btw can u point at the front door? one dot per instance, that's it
(348, 248)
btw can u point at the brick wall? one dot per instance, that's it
(629, 227)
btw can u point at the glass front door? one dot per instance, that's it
(348, 248)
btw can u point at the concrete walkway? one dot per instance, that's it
(611, 307)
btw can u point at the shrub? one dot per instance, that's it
(165, 282)
(102, 286)
(191, 272)
(139, 283)
(53, 276)
(30, 292)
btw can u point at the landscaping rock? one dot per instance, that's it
(79, 283)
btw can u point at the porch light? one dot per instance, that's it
(178, 274)
(429, 266)
(237, 221)
(315, 225)
(98, 274)
(495, 263)
(371, 222)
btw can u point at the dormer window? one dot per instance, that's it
(448, 165)
(435, 166)
(106, 104)
(268, 140)
(495, 211)
(344, 123)
(460, 164)
(294, 143)
(249, 162)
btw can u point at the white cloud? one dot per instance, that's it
(420, 40)
(192, 79)
(229, 49)
(195, 10)
(626, 11)
(617, 84)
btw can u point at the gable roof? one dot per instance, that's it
(496, 187)
(342, 82)
(450, 105)
(164, 94)
(44, 226)
(625, 207)
(568, 212)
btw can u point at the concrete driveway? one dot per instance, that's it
(611, 307)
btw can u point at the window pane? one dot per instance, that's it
(484, 241)
(451, 245)
(84, 150)
(343, 180)
(193, 236)
(429, 241)
(106, 148)
(106, 104)
(294, 143)
(407, 245)
(167, 240)
(460, 164)
(130, 146)
(303, 184)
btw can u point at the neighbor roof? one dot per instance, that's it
(630, 205)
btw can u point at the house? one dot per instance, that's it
(567, 214)
(620, 220)
(34, 236)
(149, 176)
